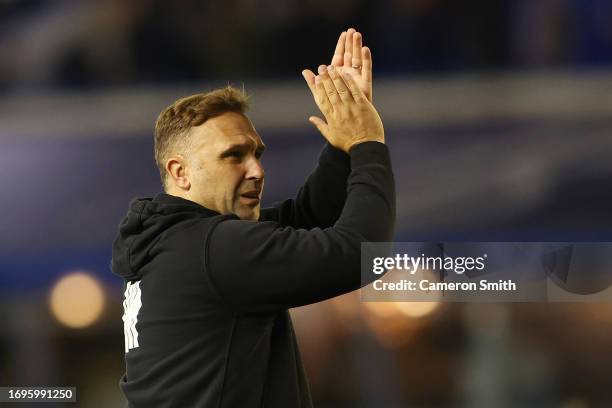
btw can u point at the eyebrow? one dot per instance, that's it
(241, 146)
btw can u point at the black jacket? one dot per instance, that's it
(206, 295)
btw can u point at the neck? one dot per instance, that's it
(177, 192)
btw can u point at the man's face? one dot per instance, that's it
(224, 166)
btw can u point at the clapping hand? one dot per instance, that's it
(351, 57)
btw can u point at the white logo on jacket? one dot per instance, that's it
(131, 307)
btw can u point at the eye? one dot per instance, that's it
(236, 154)
(259, 153)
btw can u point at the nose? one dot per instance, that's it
(255, 170)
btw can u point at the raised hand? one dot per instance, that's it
(350, 119)
(352, 58)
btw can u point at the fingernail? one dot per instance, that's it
(330, 68)
(321, 69)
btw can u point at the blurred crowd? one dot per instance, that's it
(100, 43)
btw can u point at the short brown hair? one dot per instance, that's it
(173, 123)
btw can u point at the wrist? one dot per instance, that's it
(362, 141)
(369, 152)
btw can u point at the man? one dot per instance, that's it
(210, 277)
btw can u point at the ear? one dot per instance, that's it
(178, 176)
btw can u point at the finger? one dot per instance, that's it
(354, 89)
(348, 47)
(321, 97)
(341, 88)
(309, 77)
(338, 57)
(319, 124)
(366, 69)
(330, 88)
(356, 59)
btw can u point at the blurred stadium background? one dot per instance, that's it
(498, 116)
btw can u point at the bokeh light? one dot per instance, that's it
(77, 300)
(417, 309)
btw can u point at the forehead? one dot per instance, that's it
(224, 130)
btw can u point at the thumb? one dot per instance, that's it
(320, 125)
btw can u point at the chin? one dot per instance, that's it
(249, 214)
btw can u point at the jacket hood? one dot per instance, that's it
(142, 227)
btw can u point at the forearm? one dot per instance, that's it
(319, 201)
(374, 204)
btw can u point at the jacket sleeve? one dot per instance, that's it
(260, 266)
(320, 200)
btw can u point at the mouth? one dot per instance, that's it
(251, 197)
